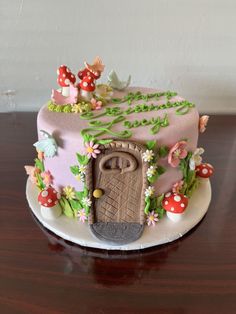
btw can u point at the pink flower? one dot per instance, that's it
(96, 105)
(82, 215)
(32, 172)
(203, 123)
(47, 177)
(176, 153)
(92, 150)
(177, 186)
(152, 218)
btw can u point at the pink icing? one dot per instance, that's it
(66, 130)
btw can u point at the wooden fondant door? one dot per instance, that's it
(118, 215)
(118, 175)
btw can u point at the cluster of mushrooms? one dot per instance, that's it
(87, 76)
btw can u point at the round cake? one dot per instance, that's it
(115, 156)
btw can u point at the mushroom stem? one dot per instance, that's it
(86, 95)
(65, 91)
(51, 213)
(174, 217)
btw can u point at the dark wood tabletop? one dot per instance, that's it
(41, 273)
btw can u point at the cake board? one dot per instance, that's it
(165, 230)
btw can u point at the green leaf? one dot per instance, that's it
(87, 210)
(148, 203)
(153, 204)
(66, 207)
(104, 142)
(153, 179)
(79, 195)
(74, 170)
(160, 170)
(76, 204)
(86, 191)
(151, 145)
(40, 183)
(163, 151)
(82, 159)
(160, 199)
(161, 212)
(190, 176)
(88, 137)
(39, 164)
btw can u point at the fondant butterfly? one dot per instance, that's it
(59, 99)
(116, 83)
(47, 145)
(96, 66)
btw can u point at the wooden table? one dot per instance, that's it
(40, 273)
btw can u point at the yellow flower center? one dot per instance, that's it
(177, 153)
(90, 150)
(151, 217)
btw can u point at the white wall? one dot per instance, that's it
(183, 45)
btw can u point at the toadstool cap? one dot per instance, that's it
(87, 84)
(204, 170)
(48, 197)
(86, 72)
(65, 76)
(175, 203)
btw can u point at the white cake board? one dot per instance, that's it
(165, 230)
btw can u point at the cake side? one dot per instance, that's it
(66, 129)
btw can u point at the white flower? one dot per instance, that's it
(149, 191)
(148, 155)
(82, 169)
(86, 201)
(196, 158)
(151, 171)
(80, 177)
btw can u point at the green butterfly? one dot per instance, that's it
(47, 145)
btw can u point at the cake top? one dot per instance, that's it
(111, 110)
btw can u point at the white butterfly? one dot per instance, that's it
(47, 145)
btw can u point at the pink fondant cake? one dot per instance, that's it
(116, 157)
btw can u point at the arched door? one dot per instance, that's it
(118, 216)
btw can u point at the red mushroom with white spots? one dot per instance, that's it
(48, 199)
(65, 78)
(175, 204)
(204, 170)
(85, 72)
(87, 86)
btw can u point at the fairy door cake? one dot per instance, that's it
(117, 178)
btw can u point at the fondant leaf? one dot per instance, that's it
(153, 179)
(86, 191)
(160, 199)
(67, 210)
(161, 170)
(76, 204)
(82, 159)
(148, 203)
(39, 164)
(74, 170)
(163, 151)
(79, 194)
(151, 145)
(103, 142)
(88, 137)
